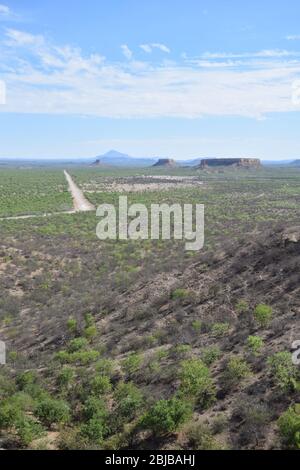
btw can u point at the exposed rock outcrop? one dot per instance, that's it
(232, 162)
(165, 162)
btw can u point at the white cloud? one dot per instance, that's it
(162, 47)
(21, 38)
(126, 51)
(146, 48)
(42, 77)
(293, 37)
(149, 47)
(4, 10)
(6, 14)
(267, 53)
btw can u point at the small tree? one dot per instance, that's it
(167, 416)
(196, 382)
(129, 400)
(51, 411)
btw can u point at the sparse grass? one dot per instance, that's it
(144, 338)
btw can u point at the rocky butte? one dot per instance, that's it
(231, 162)
(165, 162)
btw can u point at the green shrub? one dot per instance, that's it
(7, 387)
(26, 378)
(210, 355)
(101, 385)
(197, 325)
(77, 344)
(51, 411)
(132, 363)
(129, 400)
(167, 416)
(78, 357)
(65, 376)
(220, 329)
(105, 367)
(72, 325)
(201, 438)
(196, 382)
(72, 439)
(95, 408)
(28, 430)
(180, 294)
(90, 332)
(9, 414)
(289, 426)
(89, 320)
(236, 370)
(255, 344)
(94, 430)
(263, 314)
(242, 306)
(283, 371)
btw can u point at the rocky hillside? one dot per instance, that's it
(212, 341)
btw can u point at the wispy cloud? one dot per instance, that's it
(266, 53)
(4, 10)
(126, 51)
(43, 77)
(149, 47)
(293, 37)
(7, 14)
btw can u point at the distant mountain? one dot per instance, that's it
(295, 163)
(115, 158)
(276, 162)
(193, 162)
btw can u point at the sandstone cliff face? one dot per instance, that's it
(165, 162)
(232, 162)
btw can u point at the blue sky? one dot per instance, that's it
(150, 78)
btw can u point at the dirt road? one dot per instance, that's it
(81, 204)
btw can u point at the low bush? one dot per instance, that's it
(132, 363)
(201, 438)
(210, 355)
(236, 370)
(219, 330)
(263, 314)
(283, 371)
(101, 385)
(255, 344)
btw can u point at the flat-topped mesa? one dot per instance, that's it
(165, 162)
(231, 162)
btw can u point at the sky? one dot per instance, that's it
(174, 78)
